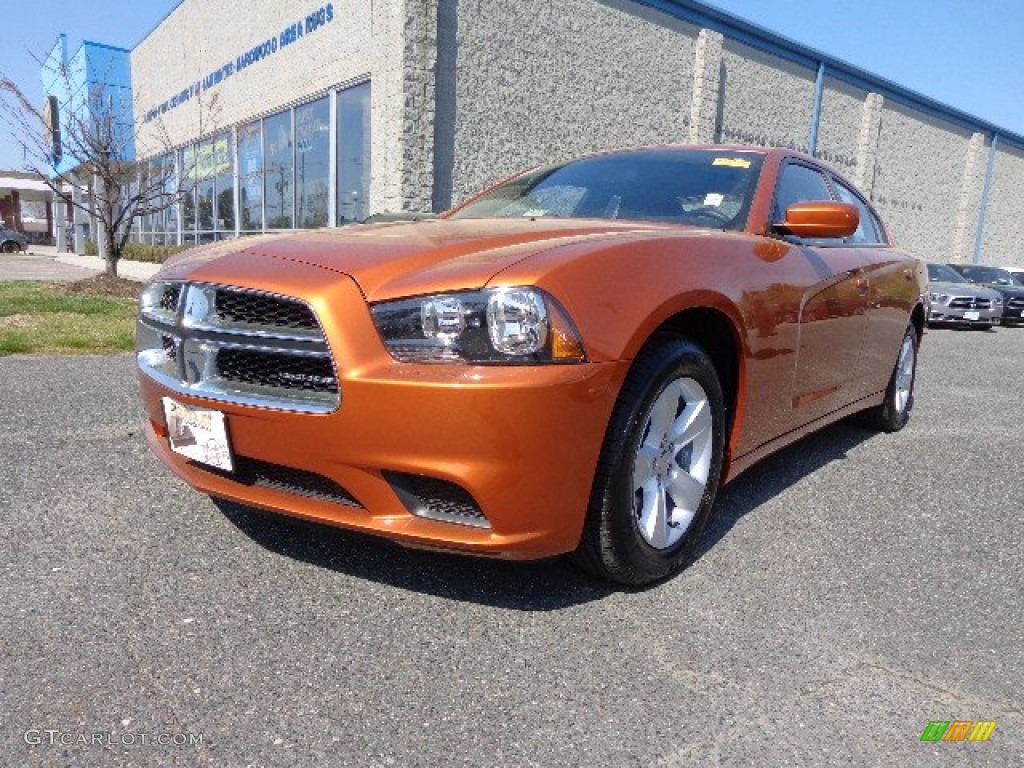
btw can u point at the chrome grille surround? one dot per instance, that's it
(970, 302)
(236, 345)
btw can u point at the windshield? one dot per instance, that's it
(697, 187)
(1018, 277)
(990, 275)
(940, 273)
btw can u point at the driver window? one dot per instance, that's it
(798, 184)
(865, 230)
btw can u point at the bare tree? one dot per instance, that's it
(94, 154)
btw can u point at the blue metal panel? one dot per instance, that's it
(985, 193)
(819, 87)
(75, 80)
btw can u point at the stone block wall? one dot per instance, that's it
(466, 92)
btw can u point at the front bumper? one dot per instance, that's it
(522, 441)
(1013, 315)
(943, 315)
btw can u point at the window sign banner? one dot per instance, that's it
(313, 21)
(213, 158)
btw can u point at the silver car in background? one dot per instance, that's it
(955, 300)
(1001, 280)
(12, 242)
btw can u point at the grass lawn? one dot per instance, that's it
(91, 316)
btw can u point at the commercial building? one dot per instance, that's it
(17, 188)
(88, 88)
(303, 113)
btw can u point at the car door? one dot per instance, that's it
(833, 307)
(891, 287)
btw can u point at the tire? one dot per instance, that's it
(9, 247)
(659, 468)
(894, 412)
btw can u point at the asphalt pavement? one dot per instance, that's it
(851, 589)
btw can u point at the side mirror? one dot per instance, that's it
(820, 219)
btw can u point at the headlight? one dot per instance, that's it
(940, 298)
(997, 301)
(501, 325)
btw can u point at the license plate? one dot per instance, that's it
(972, 315)
(200, 434)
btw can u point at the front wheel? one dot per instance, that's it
(894, 412)
(659, 468)
(9, 247)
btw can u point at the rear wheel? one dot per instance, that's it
(659, 467)
(894, 412)
(9, 247)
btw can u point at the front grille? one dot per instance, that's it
(1015, 303)
(236, 345)
(970, 302)
(437, 499)
(277, 370)
(257, 309)
(169, 298)
(299, 482)
(169, 346)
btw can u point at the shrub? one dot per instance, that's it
(154, 254)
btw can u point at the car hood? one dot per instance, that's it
(963, 289)
(405, 258)
(1008, 291)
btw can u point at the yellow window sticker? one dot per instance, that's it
(732, 162)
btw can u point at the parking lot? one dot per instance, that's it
(851, 589)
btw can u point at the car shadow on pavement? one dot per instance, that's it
(543, 585)
(774, 474)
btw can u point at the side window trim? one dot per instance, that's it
(778, 184)
(877, 233)
(830, 188)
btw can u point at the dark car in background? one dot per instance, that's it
(1017, 273)
(955, 300)
(12, 242)
(998, 279)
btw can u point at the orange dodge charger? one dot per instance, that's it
(572, 361)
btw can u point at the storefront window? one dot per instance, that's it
(354, 153)
(158, 182)
(171, 212)
(312, 163)
(188, 215)
(278, 170)
(250, 176)
(213, 170)
(204, 194)
(283, 174)
(225, 203)
(187, 161)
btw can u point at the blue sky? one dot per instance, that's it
(31, 28)
(966, 54)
